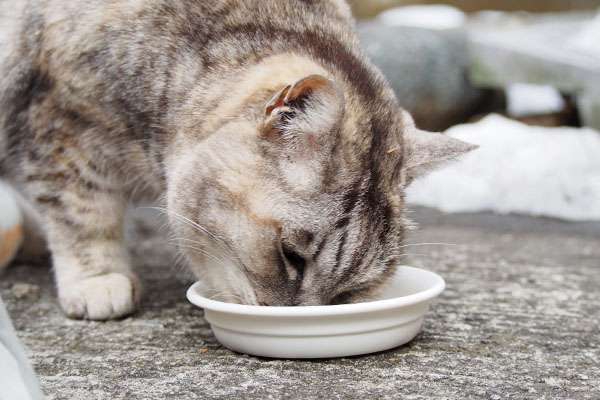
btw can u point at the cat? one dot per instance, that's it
(279, 151)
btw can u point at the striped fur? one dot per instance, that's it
(297, 203)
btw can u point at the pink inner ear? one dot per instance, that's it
(277, 101)
(306, 86)
(305, 113)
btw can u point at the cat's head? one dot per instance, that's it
(301, 203)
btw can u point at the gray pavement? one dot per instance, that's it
(519, 319)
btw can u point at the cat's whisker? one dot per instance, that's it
(204, 252)
(423, 244)
(416, 254)
(188, 243)
(225, 261)
(179, 241)
(201, 229)
(233, 259)
(237, 260)
(224, 293)
(182, 239)
(178, 260)
(188, 221)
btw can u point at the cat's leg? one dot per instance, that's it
(84, 227)
(34, 247)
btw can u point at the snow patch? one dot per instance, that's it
(518, 168)
(525, 99)
(587, 38)
(435, 16)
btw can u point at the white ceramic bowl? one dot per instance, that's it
(324, 331)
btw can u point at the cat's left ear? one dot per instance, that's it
(313, 106)
(301, 123)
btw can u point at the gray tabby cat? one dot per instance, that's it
(271, 138)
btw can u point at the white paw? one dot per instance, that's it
(100, 297)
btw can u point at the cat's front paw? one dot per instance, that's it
(100, 297)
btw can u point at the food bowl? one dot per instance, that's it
(394, 318)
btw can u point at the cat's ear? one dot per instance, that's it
(312, 107)
(300, 126)
(425, 151)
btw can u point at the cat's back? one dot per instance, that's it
(111, 29)
(136, 44)
(130, 57)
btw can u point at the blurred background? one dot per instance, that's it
(370, 8)
(521, 79)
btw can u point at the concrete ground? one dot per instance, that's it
(519, 319)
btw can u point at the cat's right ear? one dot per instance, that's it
(425, 151)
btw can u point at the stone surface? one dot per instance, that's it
(25, 290)
(427, 69)
(519, 319)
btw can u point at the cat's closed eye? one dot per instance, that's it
(294, 259)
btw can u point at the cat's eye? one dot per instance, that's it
(294, 259)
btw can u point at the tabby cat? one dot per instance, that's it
(278, 149)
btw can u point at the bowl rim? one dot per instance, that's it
(326, 310)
